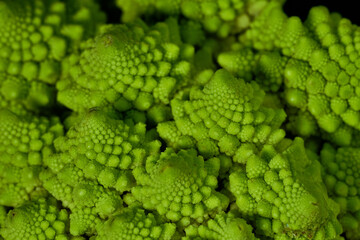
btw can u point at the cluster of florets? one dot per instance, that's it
(184, 120)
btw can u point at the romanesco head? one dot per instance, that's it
(134, 223)
(180, 186)
(321, 75)
(127, 66)
(224, 113)
(266, 68)
(224, 226)
(24, 144)
(285, 193)
(342, 179)
(37, 34)
(105, 148)
(88, 201)
(40, 219)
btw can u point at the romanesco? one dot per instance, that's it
(284, 192)
(127, 66)
(134, 223)
(178, 120)
(180, 186)
(221, 17)
(25, 143)
(221, 115)
(39, 219)
(342, 180)
(223, 226)
(320, 74)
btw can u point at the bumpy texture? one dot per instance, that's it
(223, 17)
(266, 68)
(180, 186)
(37, 34)
(224, 226)
(342, 168)
(182, 121)
(127, 66)
(322, 74)
(284, 191)
(94, 162)
(88, 201)
(134, 223)
(220, 116)
(40, 219)
(24, 143)
(105, 149)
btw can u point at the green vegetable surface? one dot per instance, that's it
(178, 120)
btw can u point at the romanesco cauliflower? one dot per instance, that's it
(178, 120)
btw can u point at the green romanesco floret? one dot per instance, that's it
(180, 186)
(224, 226)
(239, 62)
(24, 143)
(134, 223)
(265, 67)
(89, 202)
(265, 31)
(283, 192)
(105, 149)
(221, 115)
(321, 75)
(40, 219)
(94, 162)
(127, 66)
(342, 179)
(37, 34)
(23, 97)
(223, 17)
(320, 98)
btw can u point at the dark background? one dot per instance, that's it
(346, 8)
(299, 8)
